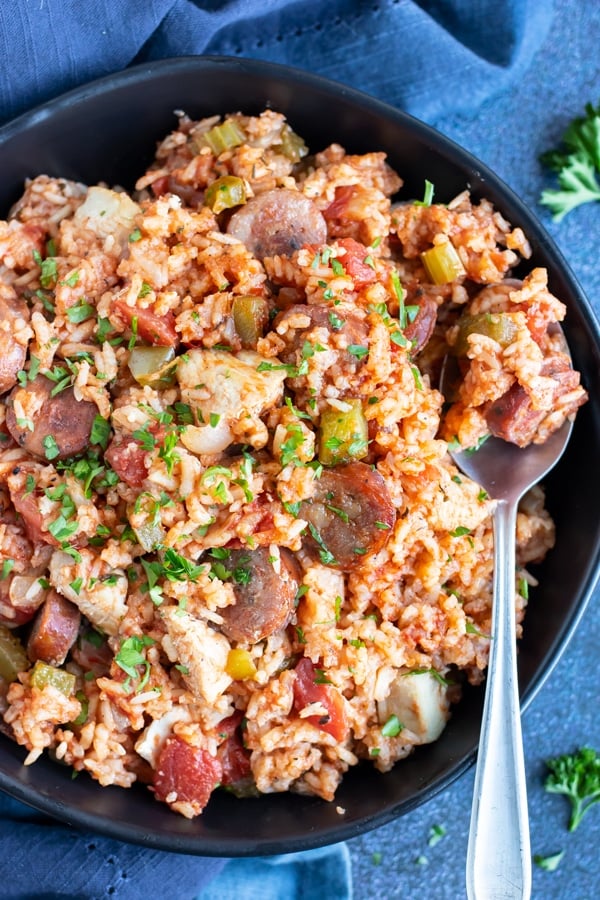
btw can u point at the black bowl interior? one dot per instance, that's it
(107, 131)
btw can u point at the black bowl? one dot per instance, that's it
(106, 131)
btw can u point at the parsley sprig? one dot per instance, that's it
(577, 776)
(577, 165)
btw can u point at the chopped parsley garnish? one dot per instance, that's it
(427, 195)
(548, 863)
(289, 448)
(417, 377)
(7, 567)
(100, 433)
(168, 453)
(321, 677)
(80, 312)
(358, 350)
(49, 270)
(335, 321)
(436, 833)
(51, 448)
(131, 655)
(392, 727)
(72, 280)
(327, 558)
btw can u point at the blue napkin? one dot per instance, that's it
(431, 58)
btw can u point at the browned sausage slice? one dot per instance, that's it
(54, 630)
(12, 353)
(348, 323)
(350, 515)
(264, 597)
(513, 418)
(44, 419)
(421, 328)
(278, 222)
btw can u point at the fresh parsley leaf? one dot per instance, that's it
(577, 776)
(50, 447)
(100, 432)
(577, 165)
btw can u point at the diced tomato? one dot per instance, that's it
(354, 263)
(339, 204)
(307, 691)
(189, 773)
(27, 505)
(128, 459)
(157, 330)
(232, 754)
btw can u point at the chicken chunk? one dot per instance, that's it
(420, 702)
(101, 596)
(200, 649)
(231, 393)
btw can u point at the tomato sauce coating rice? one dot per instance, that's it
(234, 550)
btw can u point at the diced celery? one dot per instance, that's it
(225, 193)
(442, 263)
(250, 316)
(222, 137)
(42, 674)
(240, 665)
(13, 658)
(153, 366)
(343, 434)
(501, 327)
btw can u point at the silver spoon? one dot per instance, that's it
(499, 854)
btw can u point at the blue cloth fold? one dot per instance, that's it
(431, 58)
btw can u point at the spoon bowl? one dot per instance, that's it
(506, 471)
(499, 854)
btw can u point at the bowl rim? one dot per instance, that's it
(457, 156)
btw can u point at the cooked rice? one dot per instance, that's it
(230, 448)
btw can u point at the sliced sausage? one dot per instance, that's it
(345, 322)
(278, 222)
(13, 355)
(350, 515)
(27, 502)
(54, 630)
(264, 598)
(419, 330)
(513, 418)
(63, 418)
(20, 598)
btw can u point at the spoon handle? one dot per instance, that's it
(499, 855)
